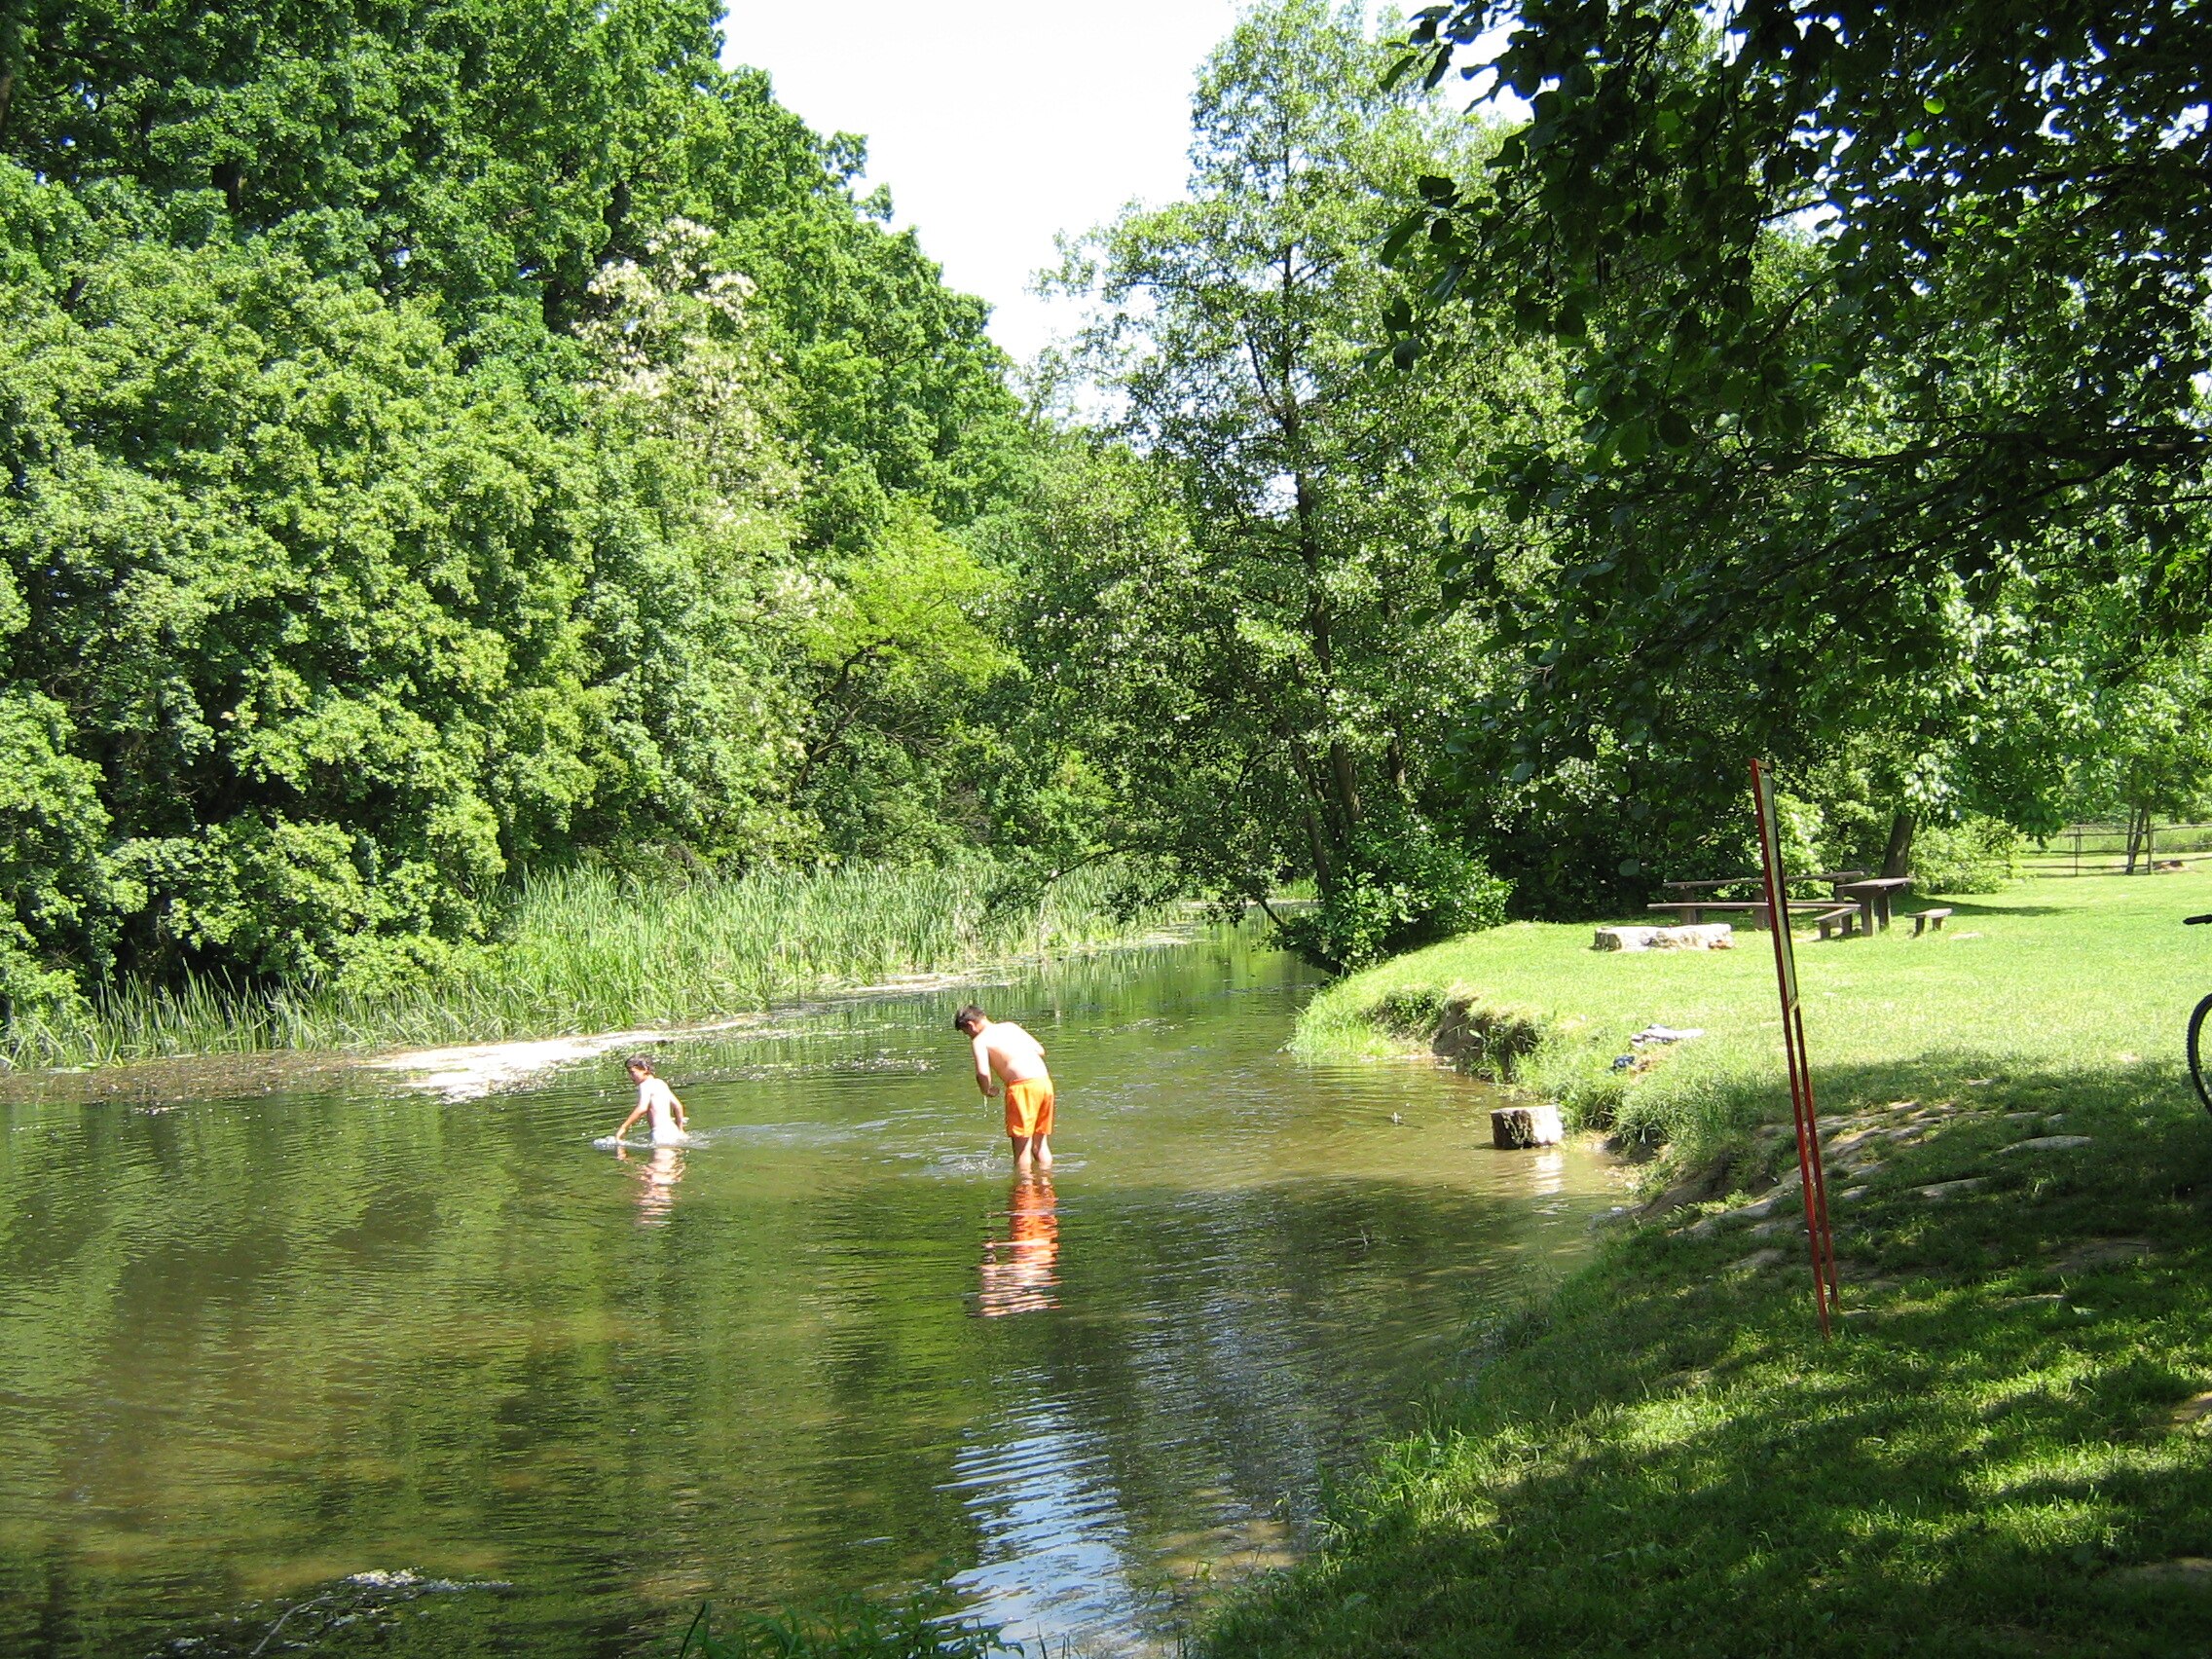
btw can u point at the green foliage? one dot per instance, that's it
(2154, 753)
(1237, 619)
(900, 643)
(2001, 282)
(589, 948)
(52, 874)
(298, 581)
(927, 1626)
(1885, 429)
(1398, 890)
(419, 467)
(1976, 855)
(494, 159)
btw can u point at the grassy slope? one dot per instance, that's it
(1997, 1455)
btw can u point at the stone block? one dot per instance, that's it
(1512, 1128)
(1706, 935)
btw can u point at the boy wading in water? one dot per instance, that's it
(656, 1098)
(1017, 1061)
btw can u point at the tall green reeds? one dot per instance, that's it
(592, 950)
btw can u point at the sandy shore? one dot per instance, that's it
(471, 1070)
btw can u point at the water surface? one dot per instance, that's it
(253, 1346)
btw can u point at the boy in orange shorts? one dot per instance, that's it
(1009, 1056)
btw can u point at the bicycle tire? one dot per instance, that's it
(2197, 1055)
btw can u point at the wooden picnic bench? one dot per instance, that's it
(1872, 897)
(1922, 920)
(1732, 880)
(1845, 916)
(1692, 910)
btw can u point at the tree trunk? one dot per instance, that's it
(1324, 872)
(1896, 857)
(17, 39)
(1347, 785)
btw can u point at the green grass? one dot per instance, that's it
(2087, 978)
(589, 950)
(2004, 1451)
(926, 1626)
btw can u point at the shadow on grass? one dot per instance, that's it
(1714, 1120)
(1964, 906)
(1983, 1461)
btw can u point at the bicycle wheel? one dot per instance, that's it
(2200, 1042)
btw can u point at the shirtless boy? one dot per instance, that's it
(1006, 1052)
(656, 1098)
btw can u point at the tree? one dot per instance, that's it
(492, 158)
(2154, 759)
(900, 644)
(437, 441)
(1253, 578)
(1870, 313)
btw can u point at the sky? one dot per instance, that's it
(996, 124)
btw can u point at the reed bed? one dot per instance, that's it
(591, 949)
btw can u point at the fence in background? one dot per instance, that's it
(2120, 847)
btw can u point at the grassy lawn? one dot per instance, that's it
(2005, 1451)
(2050, 986)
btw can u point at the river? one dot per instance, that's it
(254, 1345)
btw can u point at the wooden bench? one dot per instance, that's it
(1922, 920)
(1845, 916)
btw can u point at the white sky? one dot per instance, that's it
(996, 124)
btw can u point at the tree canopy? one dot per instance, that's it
(1241, 607)
(440, 441)
(436, 439)
(1886, 331)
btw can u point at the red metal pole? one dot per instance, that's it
(1826, 1289)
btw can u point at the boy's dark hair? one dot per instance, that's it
(640, 1062)
(971, 1016)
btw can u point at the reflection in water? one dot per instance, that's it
(281, 1317)
(1019, 1272)
(656, 1184)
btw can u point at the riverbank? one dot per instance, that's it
(589, 951)
(2004, 1451)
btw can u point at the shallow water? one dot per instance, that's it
(253, 1346)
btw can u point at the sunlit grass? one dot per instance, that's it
(2093, 974)
(590, 949)
(926, 1626)
(2007, 1449)
(1997, 1455)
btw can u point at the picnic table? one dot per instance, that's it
(1872, 897)
(1831, 876)
(1691, 908)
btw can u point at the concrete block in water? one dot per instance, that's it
(1514, 1127)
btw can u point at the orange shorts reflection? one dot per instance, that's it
(1018, 1273)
